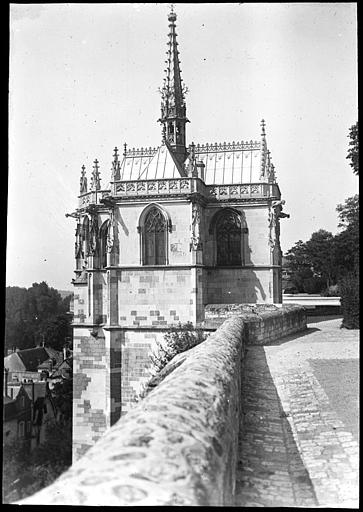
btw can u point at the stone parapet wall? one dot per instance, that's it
(178, 446)
(264, 322)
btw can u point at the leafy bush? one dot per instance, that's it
(178, 339)
(313, 285)
(25, 473)
(349, 293)
(332, 291)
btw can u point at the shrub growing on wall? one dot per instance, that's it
(178, 339)
(349, 299)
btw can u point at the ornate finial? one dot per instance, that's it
(125, 149)
(115, 166)
(264, 152)
(83, 181)
(263, 124)
(172, 15)
(95, 178)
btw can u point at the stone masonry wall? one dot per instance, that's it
(136, 348)
(96, 386)
(154, 297)
(238, 285)
(178, 446)
(264, 322)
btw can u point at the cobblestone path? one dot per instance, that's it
(299, 446)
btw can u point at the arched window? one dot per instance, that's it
(155, 232)
(229, 239)
(103, 244)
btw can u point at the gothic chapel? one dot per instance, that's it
(178, 227)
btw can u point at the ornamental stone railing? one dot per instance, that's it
(174, 186)
(217, 147)
(179, 445)
(244, 191)
(181, 186)
(93, 197)
(186, 186)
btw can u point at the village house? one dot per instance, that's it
(28, 410)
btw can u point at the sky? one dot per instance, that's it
(84, 78)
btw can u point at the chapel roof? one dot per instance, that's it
(150, 164)
(227, 163)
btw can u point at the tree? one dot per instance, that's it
(36, 314)
(349, 293)
(347, 261)
(299, 265)
(312, 263)
(348, 213)
(321, 254)
(25, 473)
(353, 151)
(347, 241)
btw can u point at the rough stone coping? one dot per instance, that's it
(177, 446)
(216, 314)
(260, 310)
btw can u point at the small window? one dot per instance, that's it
(28, 426)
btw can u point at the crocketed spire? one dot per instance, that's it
(83, 181)
(115, 166)
(95, 178)
(173, 108)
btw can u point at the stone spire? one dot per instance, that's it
(173, 109)
(95, 178)
(115, 166)
(83, 181)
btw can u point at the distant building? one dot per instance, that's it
(178, 227)
(17, 418)
(33, 363)
(28, 409)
